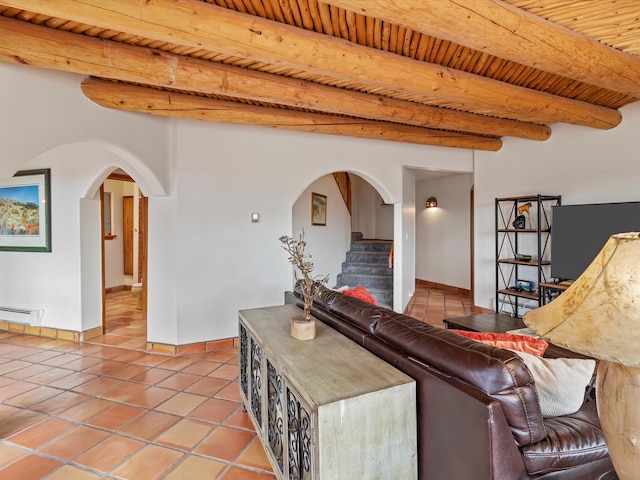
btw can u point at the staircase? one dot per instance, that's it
(367, 264)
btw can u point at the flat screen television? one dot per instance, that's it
(579, 232)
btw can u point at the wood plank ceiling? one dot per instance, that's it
(456, 73)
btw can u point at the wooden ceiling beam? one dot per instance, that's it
(199, 24)
(148, 100)
(508, 32)
(39, 46)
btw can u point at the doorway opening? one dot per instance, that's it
(124, 266)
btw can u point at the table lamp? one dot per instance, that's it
(599, 316)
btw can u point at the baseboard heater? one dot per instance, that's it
(21, 315)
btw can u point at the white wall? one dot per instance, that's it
(443, 233)
(223, 261)
(404, 264)
(206, 259)
(328, 244)
(113, 248)
(370, 216)
(583, 165)
(46, 122)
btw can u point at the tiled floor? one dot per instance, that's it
(106, 409)
(433, 304)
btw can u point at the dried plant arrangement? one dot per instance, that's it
(310, 285)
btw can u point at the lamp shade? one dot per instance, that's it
(599, 314)
(432, 202)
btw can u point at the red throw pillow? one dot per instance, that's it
(361, 293)
(522, 343)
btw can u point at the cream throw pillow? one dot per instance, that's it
(560, 382)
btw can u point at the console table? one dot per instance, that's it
(324, 408)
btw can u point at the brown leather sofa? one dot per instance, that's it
(478, 412)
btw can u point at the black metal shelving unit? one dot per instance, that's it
(535, 237)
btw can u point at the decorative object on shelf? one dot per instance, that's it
(431, 202)
(318, 209)
(519, 222)
(523, 257)
(599, 316)
(303, 327)
(522, 209)
(25, 212)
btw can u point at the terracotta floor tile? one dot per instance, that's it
(123, 392)
(182, 403)
(148, 464)
(31, 397)
(59, 403)
(9, 454)
(224, 443)
(74, 442)
(41, 433)
(40, 356)
(207, 386)
(83, 363)
(69, 472)
(185, 434)
(117, 417)
(13, 365)
(109, 453)
(178, 381)
(130, 357)
(151, 360)
(72, 380)
(197, 468)
(15, 388)
(128, 371)
(4, 381)
(236, 473)
(239, 419)
(228, 372)
(177, 363)
(106, 367)
(214, 410)
(51, 375)
(230, 392)
(86, 410)
(222, 355)
(99, 384)
(201, 367)
(152, 397)
(255, 457)
(61, 360)
(150, 425)
(153, 376)
(31, 467)
(15, 420)
(28, 372)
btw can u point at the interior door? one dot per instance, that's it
(127, 234)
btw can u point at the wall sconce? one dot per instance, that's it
(432, 202)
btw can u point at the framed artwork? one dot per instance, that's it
(318, 209)
(25, 212)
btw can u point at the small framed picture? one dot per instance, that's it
(318, 209)
(25, 212)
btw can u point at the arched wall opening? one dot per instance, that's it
(67, 282)
(330, 241)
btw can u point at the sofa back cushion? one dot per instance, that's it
(500, 373)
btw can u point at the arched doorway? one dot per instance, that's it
(124, 266)
(353, 243)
